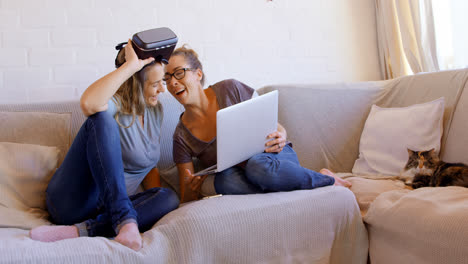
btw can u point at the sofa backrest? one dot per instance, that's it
(325, 121)
(456, 143)
(425, 87)
(172, 110)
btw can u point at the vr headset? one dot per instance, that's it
(157, 43)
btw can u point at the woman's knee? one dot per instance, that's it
(262, 169)
(103, 119)
(170, 198)
(261, 164)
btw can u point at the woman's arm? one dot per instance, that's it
(189, 185)
(152, 179)
(96, 96)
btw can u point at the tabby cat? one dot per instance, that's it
(429, 171)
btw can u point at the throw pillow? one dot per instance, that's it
(25, 171)
(36, 128)
(388, 132)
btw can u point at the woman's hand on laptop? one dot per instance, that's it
(277, 143)
(194, 182)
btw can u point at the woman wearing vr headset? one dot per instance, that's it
(94, 191)
(277, 169)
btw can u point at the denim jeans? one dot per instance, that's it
(89, 186)
(270, 172)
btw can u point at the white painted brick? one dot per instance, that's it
(96, 56)
(9, 18)
(206, 33)
(136, 17)
(51, 56)
(104, 69)
(93, 18)
(113, 36)
(45, 18)
(141, 4)
(69, 4)
(165, 14)
(274, 4)
(52, 93)
(259, 51)
(26, 78)
(301, 49)
(258, 42)
(26, 38)
(224, 53)
(13, 95)
(12, 57)
(74, 37)
(198, 5)
(82, 74)
(24, 4)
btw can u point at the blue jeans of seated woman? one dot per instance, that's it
(89, 186)
(270, 172)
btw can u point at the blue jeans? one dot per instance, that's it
(270, 172)
(89, 186)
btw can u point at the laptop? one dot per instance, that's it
(242, 130)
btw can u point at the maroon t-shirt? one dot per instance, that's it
(186, 145)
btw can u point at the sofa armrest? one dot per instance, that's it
(325, 121)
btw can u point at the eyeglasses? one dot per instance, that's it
(178, 74)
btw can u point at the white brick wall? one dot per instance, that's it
(54, 49)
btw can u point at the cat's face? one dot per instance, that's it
(420, 162)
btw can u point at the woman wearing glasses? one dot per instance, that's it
(116, 149)
(277, 169)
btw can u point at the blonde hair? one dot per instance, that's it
(191, 57)
(129, 97)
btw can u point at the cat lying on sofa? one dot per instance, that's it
(429, 171)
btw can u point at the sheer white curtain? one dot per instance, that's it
(451, 33)
(406, 37)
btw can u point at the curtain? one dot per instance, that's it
(406, 37)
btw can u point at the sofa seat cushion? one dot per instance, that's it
(426, 225)
(308, 226)
(367, 188)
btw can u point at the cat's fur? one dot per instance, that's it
(426, 170)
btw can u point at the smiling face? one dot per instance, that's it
(189, 79)
(153, 84)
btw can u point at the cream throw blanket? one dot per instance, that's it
(426, 225)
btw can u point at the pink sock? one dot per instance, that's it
(53, 233)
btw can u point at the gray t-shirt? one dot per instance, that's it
(186, 145)
(140, 145)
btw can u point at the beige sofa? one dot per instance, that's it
(426, 225)
(325, 123)
(310, 226)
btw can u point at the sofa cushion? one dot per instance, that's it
(41, 128)
(25, 171)
(388, 133)
(426, 225)
(367, 190)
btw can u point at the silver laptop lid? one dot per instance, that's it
(241, 129)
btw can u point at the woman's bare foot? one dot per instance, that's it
(53, 233)
(338, 180)
(129, 236)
